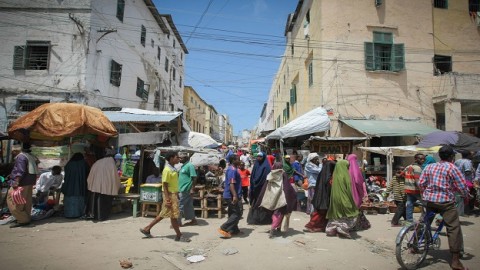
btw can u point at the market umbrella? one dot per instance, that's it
(457, 140)
(59, 121)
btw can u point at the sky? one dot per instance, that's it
(235, 48)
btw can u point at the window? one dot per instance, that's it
(173, 73)
(278, 121)
(174, 43)
(120, 9)
(159, 52)
(440, 4)
(442, 64)
(310, 74)
(29, 105)
(473, 6)
(180, 82)
(156, 101)
(34, 56)
(181, 56)
(166, 64)
(143, 36)
(115, 73)
(153, 43)
(191, 99)
(383, 54)
(293, 49)
(293, 94)
(378, 3)
(141, 92)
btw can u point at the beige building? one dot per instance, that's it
(414, 63)
(195, 110)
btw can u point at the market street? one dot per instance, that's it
(59, 243)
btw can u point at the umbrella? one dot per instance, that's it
(58, 121)
(457, 140)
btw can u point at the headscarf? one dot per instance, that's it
(321, 197)
(311, 156)
(428, 160)
(259, 174)
(288, 168)
(341, 199)
(358, 183)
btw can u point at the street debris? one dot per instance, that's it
(125, 264)
(230, 251)
(196, 258)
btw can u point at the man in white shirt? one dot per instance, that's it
(48, 180)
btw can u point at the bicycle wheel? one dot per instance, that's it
(412, 246)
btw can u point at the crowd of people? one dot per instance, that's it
(333, 191)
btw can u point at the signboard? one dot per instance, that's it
(332, 147)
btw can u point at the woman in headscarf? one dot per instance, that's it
(428, 160)
(260, 170)
(279, 197)
(312, 170)
(343, 212)
(103, 184)
(321, 198)
(359, 191)
(74, 187)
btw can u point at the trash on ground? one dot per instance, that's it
(230, 251)
(125, 264)
(196, 258)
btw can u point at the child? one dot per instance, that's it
(245, 176)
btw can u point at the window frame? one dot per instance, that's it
(166, 64)
(115, 73)
(22, 56)
(141, 92)
(120, 10)
(310, 73)
(143, 35)
(442, 4)
(376, 50)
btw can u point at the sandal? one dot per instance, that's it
(190, 223)
(182, 239)
(224, 234)
(147, 234)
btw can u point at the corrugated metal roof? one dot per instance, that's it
(388, 128)
(141, 117)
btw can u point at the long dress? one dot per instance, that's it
(74, 188)
(321, 198)
(258, 215)
(103, 184)
(342, 212)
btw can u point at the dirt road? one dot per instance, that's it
(59, 243)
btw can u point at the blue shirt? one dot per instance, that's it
(297, 167)
(232, 176)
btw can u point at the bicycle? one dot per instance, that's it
(414, 241)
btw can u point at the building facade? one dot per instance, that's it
(111, 53)
(380, 60)
(195, 110)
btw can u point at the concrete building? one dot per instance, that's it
(111, 53)
(212, 124)
(195, 110)
(411, 61)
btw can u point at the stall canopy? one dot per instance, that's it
(197, 140)
(313, 121)
(143, 138)
(389, 128)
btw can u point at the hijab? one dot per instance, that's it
(321, 197)
(428, 160)
(288, 168)
(341, 200)
(358, 183)
(260, 170)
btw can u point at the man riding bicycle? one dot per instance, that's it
(438, 184)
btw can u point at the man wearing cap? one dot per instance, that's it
(23, 177)
(438, 184)
(186, 179)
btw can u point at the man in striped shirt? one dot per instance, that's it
(438, 183)
(412, 174)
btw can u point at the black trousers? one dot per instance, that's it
(401, 212)
(245, 194)
(234, 215)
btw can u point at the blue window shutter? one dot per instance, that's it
(398, 57)
(369, 56)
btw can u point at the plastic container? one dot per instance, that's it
(151, 193)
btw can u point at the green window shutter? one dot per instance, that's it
(288, 111)
(382, 37)
(398, 57)
(19, 57)
(140, 88)
(120, 9)
(369, 56)
(310, 74)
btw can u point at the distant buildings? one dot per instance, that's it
(409, 61)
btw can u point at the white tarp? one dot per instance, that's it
(143, 138)
(203, 159)
(197, 140)
(313, 121)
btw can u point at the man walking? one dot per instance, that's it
(187, 178)
(232, 194)
(170, 199)
(397, 187)
(466, 168)
(438, 183)
(412, 174)
(23, 175)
